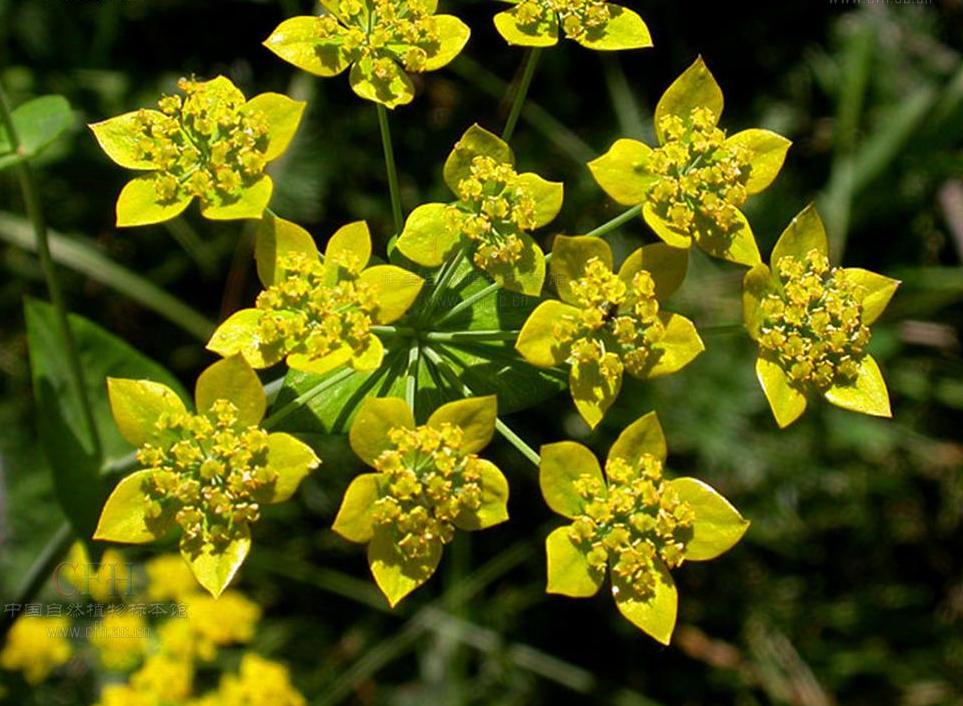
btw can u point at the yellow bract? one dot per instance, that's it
(609, 323)
(811, 321)
(208, 472)
(496, 209)
(633, 522)
(694, 184)
(208, 144)
(595, 24)
(429, 481)
(380, 40)
(318, 315)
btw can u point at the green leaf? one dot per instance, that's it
(38, 123)
(215, 570)
(475, 416)
(569, 573)
(767, 152)
(561, 465)
(427, 237)
(787, 403)
(494, 500)
(867, 395)
(805, 233)
(297, 41)
(63, 432)
(654, 615)
(292, 460)
(543, 33)
(476, 141)
(695, 88)
(395, 574)
(622, 172)
(232, 379)
(137, 204)
(354, 521)
(125, 517)
(624, 29)
(643, 436)
(718, 525)
(397, 89)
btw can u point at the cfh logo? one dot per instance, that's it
(73, 579)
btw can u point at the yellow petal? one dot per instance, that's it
(291, 460)
(527, 275)
(666, 264)
(643, 436)
(137, 405)
(570, 256)
(548, 196)
(561, 465)
(375, 418)
(397, 89)
(232, 379)
(215, 570)
(569, 573)
(787, 403)
(354, 521)
(240, 333)
(767, 152)
(718, 525)
(283, 116)
(395, 574)
(623, 29)
(427, 238)
(874, 291)
(867, 395)
(277, 239)
(125, 517)
(477, 141)
(370, 357)
(669, 233)
(543, 33)
(297, 41)
(678, 347)
(805, 233)
(453, 35)
(592, 392)
(655, 615)
(350, 245)
(138, 204)
(736, 245)
(248, 203)
(394, 289)
(494, 501)
(695, 88)
(119, 137)
(536, 341)
(623, 173)
(756, 286)
(321, 366)
(475, 416)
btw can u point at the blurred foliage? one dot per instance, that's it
(849, 585)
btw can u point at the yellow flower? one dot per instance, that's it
(210, 144)
(595, 24)
(317, 314)
(109, 579)
(169, 578)
(694, 184)
(496, 210)
(811, 321)
(609, 323)
(429, 481)
(208, 472)
(218, 622)
(165, 680)
(36, 646)
(633, 522)
(121, 640)
(259, 682)
(381, 40)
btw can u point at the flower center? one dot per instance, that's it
(428, 483)
(700, 176)
(308, 314)
(631, 521)
(577, 17)
(405, 31)
(494, 206)
(814, 327)
(209, 473)
(204, 145)
(617, 323)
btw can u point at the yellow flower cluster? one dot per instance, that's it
(633, 520)
(576, 17)
(814, 326)
(700, 176)
(494, 206)
(259, 682)
(209, 475)
(617, 323)
(120, 640)
(162, 680)
(204, 145)
(36, 646)
(428, 483)
(313, 317)
(391, 23)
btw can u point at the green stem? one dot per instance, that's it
(456, 336)
(31, 198)
(391, 168)
(531, 61)
(510, 436)
(444, 279)
(616, 222)
(468, 303)
(306, 397)
(39, 571)
(411, 375)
